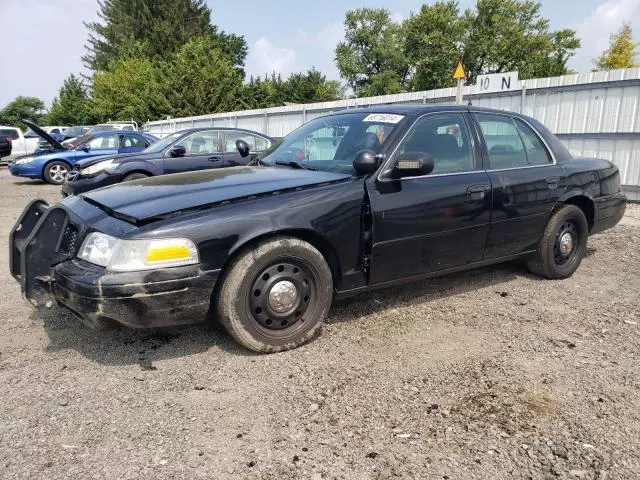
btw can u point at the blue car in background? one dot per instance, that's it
(53, 166)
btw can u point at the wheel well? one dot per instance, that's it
(44, 167)
(315, 239)
(586, 205)
(144, 172)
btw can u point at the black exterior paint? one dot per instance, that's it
(373, 230)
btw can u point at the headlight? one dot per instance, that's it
(130, 255)
(98, 167)
(22, 161)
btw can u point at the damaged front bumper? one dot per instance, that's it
(43, 245)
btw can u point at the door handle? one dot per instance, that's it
(215, 158)
(477, 192)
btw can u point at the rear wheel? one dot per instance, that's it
(56, 172)
(276, 295)
(563, 244)
(134, 176)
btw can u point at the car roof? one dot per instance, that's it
(225, 129)
(12, 128)
(420, 109)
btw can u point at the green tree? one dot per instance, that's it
(372, 57)
(159, 27)
(309, 87)
(379, 56)
(621, 52)
(129, 89)
(72, 105)
(200, 79)
(31, 108)
(508, 35)
(434, 42)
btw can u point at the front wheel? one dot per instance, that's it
(563, 244)
(275, 296)
(56, 172)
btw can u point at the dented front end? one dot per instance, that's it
(43, 247)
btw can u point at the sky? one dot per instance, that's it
(43, 40)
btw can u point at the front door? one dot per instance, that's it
(232, 157)
(526, 184)
(437, 221)
(101, 145)
(202, 151)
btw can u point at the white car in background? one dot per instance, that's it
(32, 139)
(18, 142)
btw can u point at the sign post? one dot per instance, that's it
(459, 76)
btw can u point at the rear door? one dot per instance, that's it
(232, 157)
(526, 183)
(437, 221)
(203, 151)
(14, 137)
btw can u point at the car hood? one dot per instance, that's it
(55, 144)
(142, 201)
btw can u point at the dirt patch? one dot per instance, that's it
(494, 373)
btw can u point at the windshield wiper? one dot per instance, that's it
(294, 164)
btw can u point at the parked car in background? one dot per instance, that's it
(74, 132)
(53, 166)
(379, 196)
(188, 150)
(5, 146)
(32, 139)
(18, 144)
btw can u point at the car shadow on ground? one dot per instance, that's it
(124, 346)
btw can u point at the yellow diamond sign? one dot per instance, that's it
(459, 73)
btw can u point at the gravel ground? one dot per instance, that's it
(488, 374)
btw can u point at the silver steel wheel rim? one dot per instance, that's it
(566, 243)
(57, 173)
(283, 296)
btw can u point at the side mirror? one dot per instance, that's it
(243, 148)
(365, 162)
(178, 151)
(413, 164)
(86, 147)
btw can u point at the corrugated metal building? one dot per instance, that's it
(595, 114)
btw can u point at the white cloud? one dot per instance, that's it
(265, 57)
(596, 28)
(397, 17)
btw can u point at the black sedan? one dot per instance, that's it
(184, 151)
(347, 203)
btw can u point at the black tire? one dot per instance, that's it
(247, 304)
(557, 259)
(55, 172)
(135, 176)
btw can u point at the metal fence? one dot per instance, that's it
(595, 114)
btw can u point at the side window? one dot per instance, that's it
(106, 142)
(201, 143)
(261, 144)
(10, 132)
(446, 138)
(55, 130)
(230, 138)
(503, 141)
(536, 151)
(133, 141)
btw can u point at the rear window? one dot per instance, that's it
(9, 132)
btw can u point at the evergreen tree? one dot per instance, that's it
(72, 105)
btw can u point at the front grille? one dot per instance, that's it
(69, 242)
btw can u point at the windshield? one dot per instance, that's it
(30, 134)
(160, 145)
(331, 143)
(76, 142)
(75, 131)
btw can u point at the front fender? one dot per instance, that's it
(126, 168)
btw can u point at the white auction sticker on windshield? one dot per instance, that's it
(383, 118)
